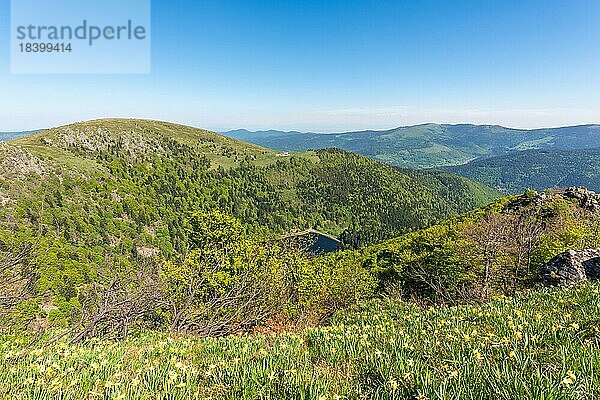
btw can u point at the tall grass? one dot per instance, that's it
(542, 345)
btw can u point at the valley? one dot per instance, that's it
(8, 136)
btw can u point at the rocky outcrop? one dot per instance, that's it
(572, 267)
(587, 198)
(16, 163)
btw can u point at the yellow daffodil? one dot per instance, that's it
(569, 379)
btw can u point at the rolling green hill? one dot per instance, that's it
(431, 145)
(536, 169)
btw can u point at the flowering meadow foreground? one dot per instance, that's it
(542, 345)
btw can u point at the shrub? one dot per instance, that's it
(230, 281)
(330, 283)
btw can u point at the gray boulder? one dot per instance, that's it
(572, 267)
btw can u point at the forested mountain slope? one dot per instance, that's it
(103, 196)
(146, 175)
(536, 169)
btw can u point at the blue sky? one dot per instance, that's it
(337, 65)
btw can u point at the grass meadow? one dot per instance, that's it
(541, 345)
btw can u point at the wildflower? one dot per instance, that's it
(534, 338)
(512, 354)
(172, 376)
(574, 326)
(37, 352)
(56, 383)
(453, 374)
(477, 355)
(569, 379)
(394, 384)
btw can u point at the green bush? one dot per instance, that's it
(330, 283)
(230, 281)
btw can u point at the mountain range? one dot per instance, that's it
(509, 160)
(536, 169)
(8, 136)
(431, 145)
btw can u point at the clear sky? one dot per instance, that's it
(337, 65)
